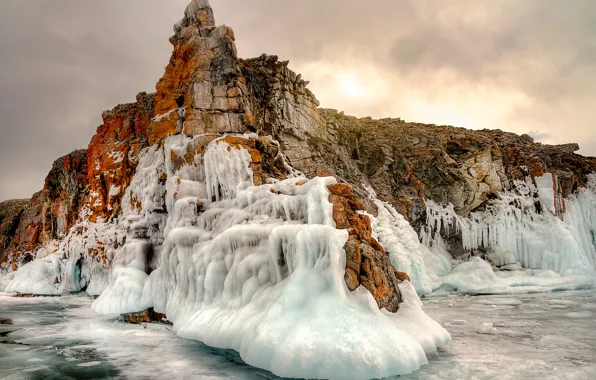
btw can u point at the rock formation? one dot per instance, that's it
(207, 91)
(407, 163)
(202, 90)
(63, 194)
(367, 263)
(231, 203)
(11, 214)
(49, 214)
(113, 154)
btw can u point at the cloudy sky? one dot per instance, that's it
(523, 66)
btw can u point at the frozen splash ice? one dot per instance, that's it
(227, 171)
(401, 242)
(258, 269)
(78, 262)
(261, 270)
(127, 280)
(71, 265)
(527, 233)
(38, 277)
(298, 319)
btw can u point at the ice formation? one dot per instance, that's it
(74, 264)
(533, 240)
(127, 280)
(401, 242)
(69, 266)
(261, 270)
(38, 277)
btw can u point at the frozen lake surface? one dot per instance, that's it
(530, 336)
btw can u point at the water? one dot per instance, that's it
(533, 336)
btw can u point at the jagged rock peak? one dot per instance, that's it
(198, 13)
(569, 148)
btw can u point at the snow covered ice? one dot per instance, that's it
(532, 337)
(37, 277)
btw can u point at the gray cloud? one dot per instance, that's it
(533, 61)
(63, 63)
(519, 66)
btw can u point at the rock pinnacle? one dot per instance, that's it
(198, 13)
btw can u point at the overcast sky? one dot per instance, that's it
(522, 66)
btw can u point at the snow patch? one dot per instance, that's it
(114, 190)
(486, 328)
(181, 112)
(116, 157)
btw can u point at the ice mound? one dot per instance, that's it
(127, 280)
(307, 324)
(37, 277)
(71, 265)
(501, 258)
(475, 277)
(5, 279)
(260, 269)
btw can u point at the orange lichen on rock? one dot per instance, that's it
(367, 263)
(113, 154)
(264, 153)
(202, 82)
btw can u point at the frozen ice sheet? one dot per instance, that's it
(531, 337)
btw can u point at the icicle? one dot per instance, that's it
(533, 233)
(251, 268)
(227, 170)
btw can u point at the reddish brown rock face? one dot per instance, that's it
(10, 218)
(367, 263)
(28, 236)
(114, 153)
(15, 237)
(63, 195)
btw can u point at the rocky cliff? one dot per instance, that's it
(207, 91)
(229, 203)
(11, 214)
(49, 214)
(113, 154)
